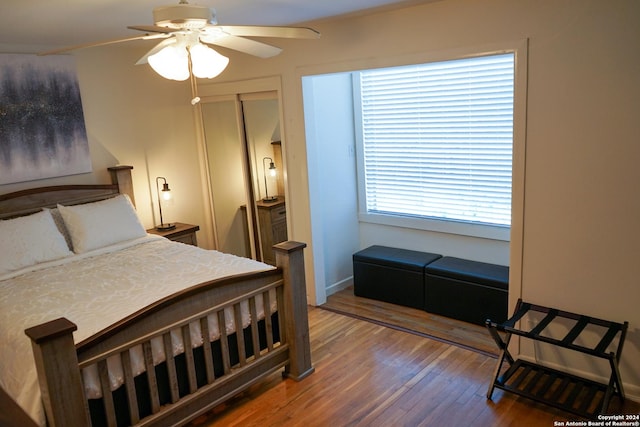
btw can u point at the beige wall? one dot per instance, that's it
(580, 240)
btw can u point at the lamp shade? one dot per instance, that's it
(172, 62)
(206, 62)
(166, 192)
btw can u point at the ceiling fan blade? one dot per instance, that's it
(260, 31)
(103, 43)
(252, 47)
(154, 29)
(157, 48)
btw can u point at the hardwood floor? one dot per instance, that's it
(372, 375)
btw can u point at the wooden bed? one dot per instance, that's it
(282, 339)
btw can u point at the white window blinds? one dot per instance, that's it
(437, 139)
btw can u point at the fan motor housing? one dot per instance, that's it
(182, 16)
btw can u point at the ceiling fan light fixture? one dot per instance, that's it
(172, 62)
(206, 63)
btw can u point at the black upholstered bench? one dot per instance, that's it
(467, 290)
(391, 275)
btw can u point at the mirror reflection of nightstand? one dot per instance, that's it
(272, 217)
(272, 226)
(183, 233)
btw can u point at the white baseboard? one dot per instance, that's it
(337, 287)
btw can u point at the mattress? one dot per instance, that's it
(96, 289)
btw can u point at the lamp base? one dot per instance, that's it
(270, 199)
(164, 227)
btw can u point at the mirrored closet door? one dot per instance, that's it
(244, 158)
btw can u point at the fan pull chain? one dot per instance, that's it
(194, 86)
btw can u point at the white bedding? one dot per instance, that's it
(89, 289)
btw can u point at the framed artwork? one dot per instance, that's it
(42, 130)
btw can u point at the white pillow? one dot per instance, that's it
(95, 225)
(29, 240)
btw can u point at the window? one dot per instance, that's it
(436, 140)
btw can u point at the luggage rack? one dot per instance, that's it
(559, 389)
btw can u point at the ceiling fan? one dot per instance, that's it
(187, 30)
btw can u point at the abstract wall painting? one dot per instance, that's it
(42, 129)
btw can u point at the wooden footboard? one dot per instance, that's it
(178, 392)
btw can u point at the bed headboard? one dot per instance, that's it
(25, 202)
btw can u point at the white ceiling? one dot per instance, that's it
(29, 26)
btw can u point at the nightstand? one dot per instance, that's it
(184, 233)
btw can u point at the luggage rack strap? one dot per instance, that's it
(576, 330)
(543, 323)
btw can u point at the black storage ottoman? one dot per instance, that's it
(391, 275)
(467, 290)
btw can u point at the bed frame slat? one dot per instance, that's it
(107, 397)
(206, 347)
(224, 342)
(188, 353)
(266, 300)
(171, 367)
(255, 334)
(151, 376)
(134, 413)
(242, 354)
(282, 315)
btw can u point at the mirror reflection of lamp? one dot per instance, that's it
(164, 194)
(272, 173)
